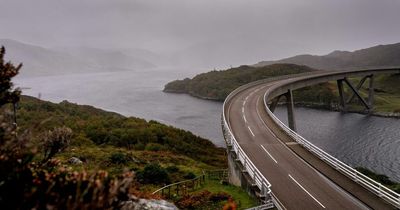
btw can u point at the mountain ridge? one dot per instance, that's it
(377, 56)
(41, 61)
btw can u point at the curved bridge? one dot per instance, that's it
(282, 167)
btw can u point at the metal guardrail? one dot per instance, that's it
(268, 205)
(182, 186)
(370, 184)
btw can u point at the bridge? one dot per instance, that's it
(275, 164)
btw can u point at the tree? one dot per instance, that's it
(7, 72)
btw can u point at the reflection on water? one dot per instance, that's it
(356, 139)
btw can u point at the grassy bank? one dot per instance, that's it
(216, 85)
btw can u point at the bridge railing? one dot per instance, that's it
(370, 184)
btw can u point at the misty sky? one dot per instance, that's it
(234, 31)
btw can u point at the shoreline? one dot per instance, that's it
(302, 104)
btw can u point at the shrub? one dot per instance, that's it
(119, 158)
(190, 175)
(172, 169)
(153, 174)
(56, 141)
(153, 147)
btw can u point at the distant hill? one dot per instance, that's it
(113, 59)
(39, 61)
(377, 56)
(216, 85)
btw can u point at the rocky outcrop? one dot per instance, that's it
(146, 204)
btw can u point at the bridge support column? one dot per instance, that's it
(342, 102)
(357, 94)
(290, 110)
(360, 84)
(371, 92)
(368, 104)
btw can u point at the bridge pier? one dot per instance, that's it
(342, 102)
(371, 92)
(290, 109)
(369, 104)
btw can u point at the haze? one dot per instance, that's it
(204, 33)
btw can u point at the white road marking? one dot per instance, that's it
(243, 110)
(250, 131)
(269, 154)
(244, 102)
(306, 191)
(244, 117)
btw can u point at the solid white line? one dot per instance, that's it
(250, 130)
(269, 154)
(306, 191)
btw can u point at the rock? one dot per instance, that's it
(75, 161)
(147, 204)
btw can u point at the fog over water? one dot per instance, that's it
(206, 33)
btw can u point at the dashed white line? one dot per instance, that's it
(269, 154)
(243, 110)
(306, 191)
(244, 118)
(250, 131)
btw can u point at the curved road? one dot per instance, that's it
(295, 183)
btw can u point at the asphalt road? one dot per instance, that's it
(295, 183)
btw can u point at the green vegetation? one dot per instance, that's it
(96, 128)
(237, 193)
(216, 85)
(215, 194)
(383, 179)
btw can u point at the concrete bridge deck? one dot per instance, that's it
(300, 180)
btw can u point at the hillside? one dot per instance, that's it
(377, 56)
(100, 132)
(216, 85)
(40, 61)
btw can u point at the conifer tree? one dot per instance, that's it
(7, 72)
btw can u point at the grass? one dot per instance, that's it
(240, 196)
